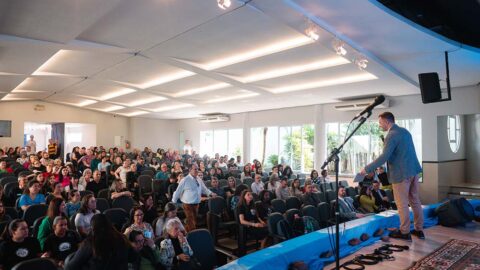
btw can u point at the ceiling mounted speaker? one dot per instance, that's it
(430, 87)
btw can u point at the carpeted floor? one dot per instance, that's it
(453, 255)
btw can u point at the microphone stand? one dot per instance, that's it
(334, 157)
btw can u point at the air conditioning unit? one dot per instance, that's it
(214, 118)
(360, 104)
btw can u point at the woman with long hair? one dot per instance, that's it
(169, 213)
(248, 216)
(85, 214)
(55, 208)
(247, 172)
(367, 200)
(295, 189)
(96, 252)
(148, 207)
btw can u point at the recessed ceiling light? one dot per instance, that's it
(133, 113)
(295, 69)
(118, 93)
(173, 107)
(50, 62)
(85, 103)
(231, 98)
(194, 91)
(113, 108)
(324, 83)
(145, 101)
(224, 4)
(262, 51)
(167, 78)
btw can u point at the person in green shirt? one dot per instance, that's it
(55, 208)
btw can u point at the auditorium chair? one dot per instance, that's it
(3, 225)
(144, 184)
(33, 212)
(293, 202)
(351, 192)
(85, 192)
(330, 195)
(8, 179)
(36, 226)
(207, 255)
(124, 202)
(242, 236)
(343, 183)
(311, 211)
(148, 172)
(216, 216)
(290, 215)
(102, 204)
(279, 205)
(248, 181)
(12, 212)
(273, 228)
(37, 263)
(104, 193)
(117, 216)
(323, 214)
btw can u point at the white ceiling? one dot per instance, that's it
(172, 59)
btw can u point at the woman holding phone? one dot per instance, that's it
(137, 223)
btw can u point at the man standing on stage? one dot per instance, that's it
(403, 170)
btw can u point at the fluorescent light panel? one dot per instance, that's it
(118, 93)
(324, 83)
(133, 113)
(262, 51)
(112, 108)
(295, 69)
(85, 103)
(51, 61)
(167, 78)
(145, 101)
(232, 98)
(173, 107)
(199, 90)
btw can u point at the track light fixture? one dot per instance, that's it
(224, 4)
(312, 30)
(361, 62)
(339, 47)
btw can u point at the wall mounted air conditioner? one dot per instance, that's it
(214, 118)
(360, 104)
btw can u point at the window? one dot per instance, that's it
(223, 141)
(366, 145)
(293, 146)
(453, 131)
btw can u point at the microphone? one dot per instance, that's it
(378, 100)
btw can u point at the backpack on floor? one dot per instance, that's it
(455, 212)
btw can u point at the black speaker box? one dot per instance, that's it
(430, 87)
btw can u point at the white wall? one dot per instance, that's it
(22, 111)
(153, 133)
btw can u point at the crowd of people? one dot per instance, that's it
(155, 236)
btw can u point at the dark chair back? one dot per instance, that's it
(148, 172)
(145, 183)
(37, 263)
(117, 216)
(343, 183)
(36, 226)
(103, 193)
(330, 195)
(389, 194)
(102, 204)
(279, 205)
(203, 248)
(33, 212)
(12, 212)
(290, 215)
(8, 179)
(272, 222)
(311, 211)
(124, 202)
(293, 202)
(85, 192)
(351, 191)
(3, 226)
(323, 214)
(248, 181)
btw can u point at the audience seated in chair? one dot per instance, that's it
(282, 192)
(61, 243)
(17, 246)
(309, 198)
(248, 217)
(175, 252)
(347, 210)
(381, 199)
(85, 214)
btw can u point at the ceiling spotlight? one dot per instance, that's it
(361, 62)
(312, 31)
(224, 4)
(339, 47)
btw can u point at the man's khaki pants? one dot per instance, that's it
(406, 192)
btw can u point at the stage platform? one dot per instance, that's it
(307, 248)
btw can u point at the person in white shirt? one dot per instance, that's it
(189, 191)
(239, 161)
(258, 185)
(33, 144)
(187, 147)
(221, 163)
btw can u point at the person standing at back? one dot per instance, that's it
(403, 169)
(189, 191)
